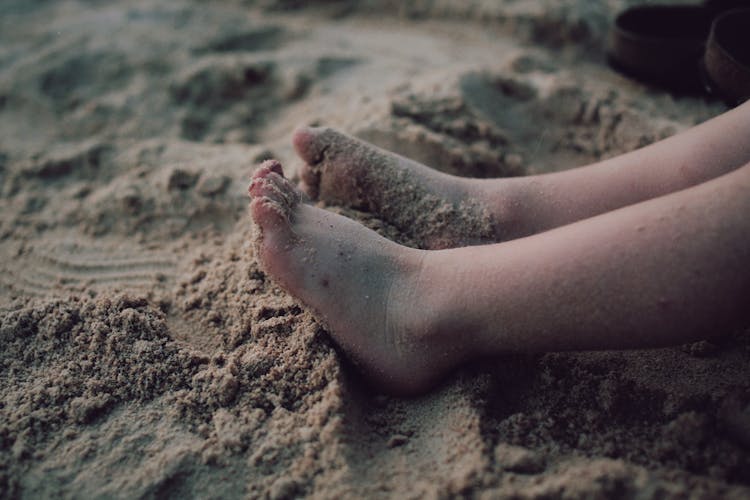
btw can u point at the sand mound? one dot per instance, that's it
(144, 353)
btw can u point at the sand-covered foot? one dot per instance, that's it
(440, 210)
(364, 288)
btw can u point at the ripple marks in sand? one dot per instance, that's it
(71, 268)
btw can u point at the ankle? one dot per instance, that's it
(407, 314)
(434, 314)
(508, 202)
(426, 335)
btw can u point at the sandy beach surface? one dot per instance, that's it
(143, 352)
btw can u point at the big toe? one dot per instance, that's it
(318, 144)
(310, 143)
(269, 215)
(314, 145)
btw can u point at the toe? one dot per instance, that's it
(310, 143)
(274, 236)
(269, 215)
(258, 187)
(263, 183)
(283, 190)
(268, 167)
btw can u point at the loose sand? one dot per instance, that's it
(144, 354)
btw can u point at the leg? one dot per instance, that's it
(451, 211)
(665, 271)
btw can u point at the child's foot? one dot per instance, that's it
(440, 210)
(368, 291)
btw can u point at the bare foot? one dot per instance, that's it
(369, 291)
(440, 210)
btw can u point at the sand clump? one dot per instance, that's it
(146, 354)
(65, 363)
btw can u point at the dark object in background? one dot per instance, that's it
(727, 57)
(686, 48)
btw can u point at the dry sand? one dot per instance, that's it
(144, 354)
